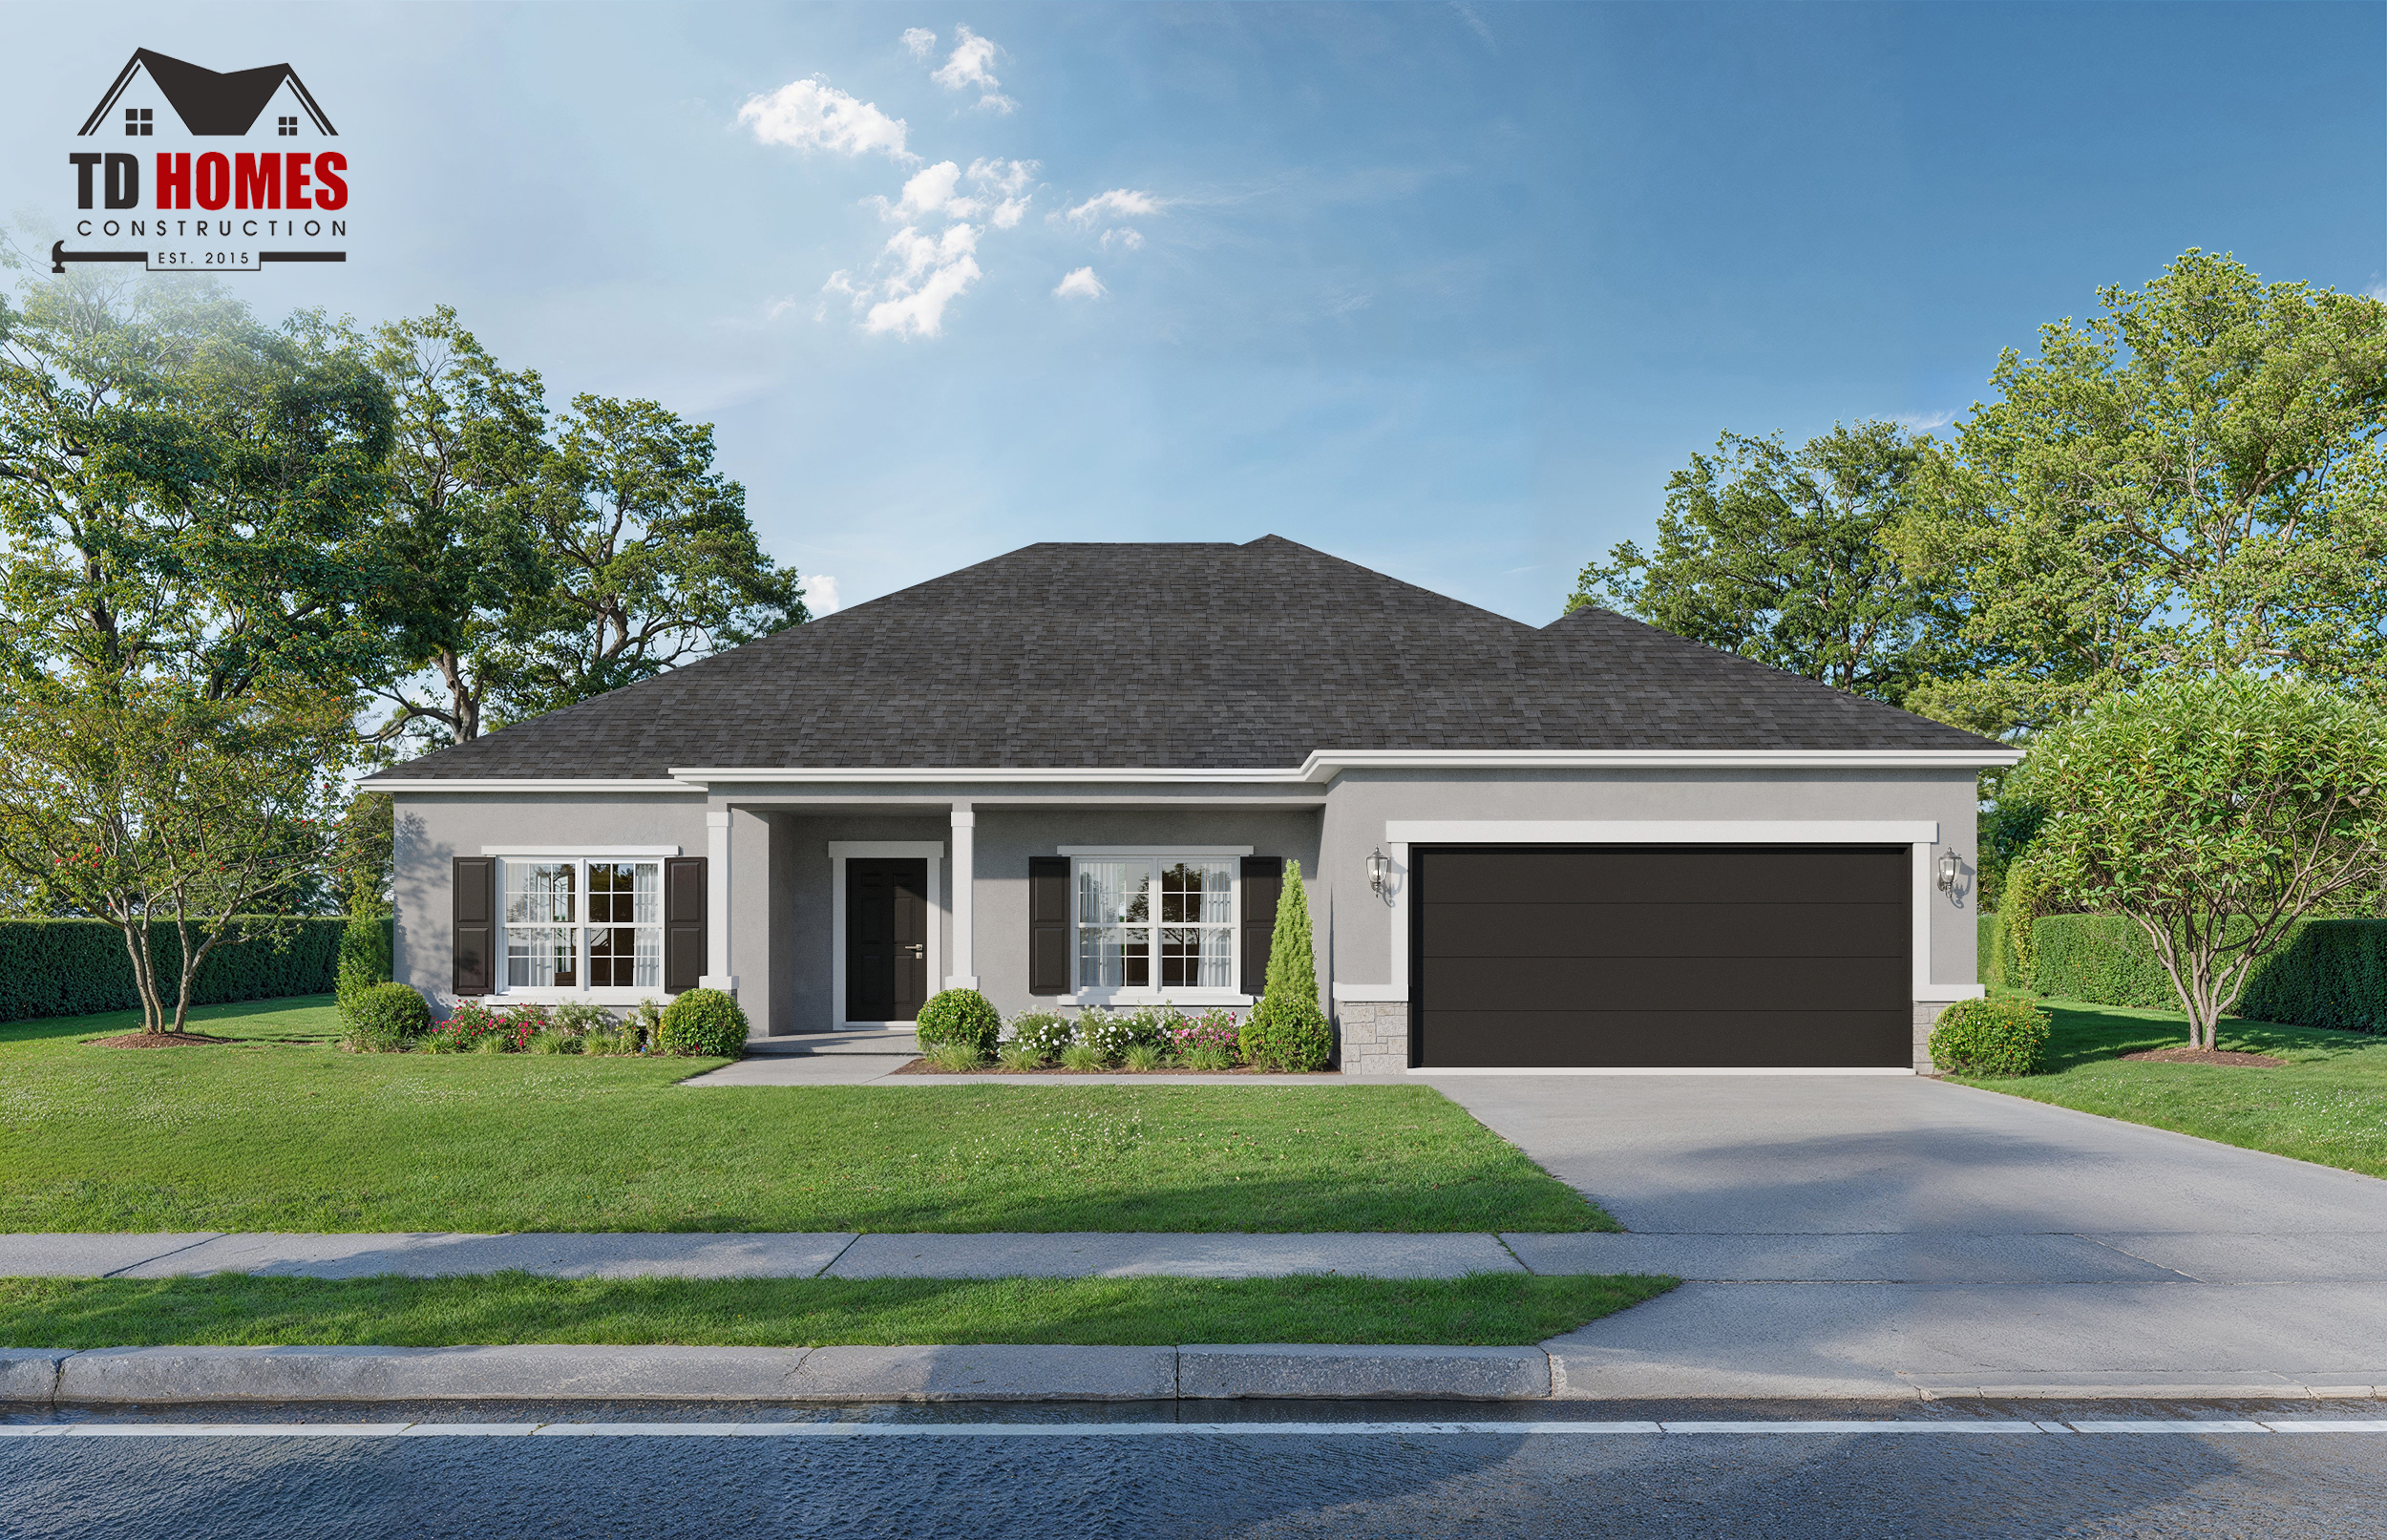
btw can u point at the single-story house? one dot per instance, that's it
(1076, 774)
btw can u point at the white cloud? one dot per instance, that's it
(995, 101)
(814, 115)
(1925, 423)
(929, 191)
(1004, 177)
(1127, 237)
(1120, 202)
(967, 65)
(914, 278)
(919, 40)
(1080, 285)
(820, 595)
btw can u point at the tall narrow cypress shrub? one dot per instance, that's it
(364, 958)
(1286, 1030)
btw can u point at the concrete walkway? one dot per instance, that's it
(1867, 1236)
(1062, 1256)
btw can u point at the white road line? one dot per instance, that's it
(2197, 1428)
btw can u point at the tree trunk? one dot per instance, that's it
(136, 928)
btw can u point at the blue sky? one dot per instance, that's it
(1446, 289)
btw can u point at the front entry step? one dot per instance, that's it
(806, 1044)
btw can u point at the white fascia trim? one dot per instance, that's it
(1661, 832)
(1152, 850)
(624, 852)
(1393, 994)
(913, 774)
(1689, 1071)
(591, 785)
(1326, 763)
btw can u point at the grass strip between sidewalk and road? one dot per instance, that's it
(283, 1131)
(2327, 1104)
(1482, 1310)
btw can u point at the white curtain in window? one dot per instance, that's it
(540, 892)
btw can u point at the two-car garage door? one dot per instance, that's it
(1661, 956)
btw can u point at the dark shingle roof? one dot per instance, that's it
(1192, 656)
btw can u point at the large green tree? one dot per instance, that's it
(2191, 480)
(468, 448)
(652, 560)
(185, 493)
(1775, 554)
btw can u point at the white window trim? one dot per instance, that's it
(1155, 994)
(580, 856)
(1153, 851)
(1921, 835)
(840, 850)
(583, 852)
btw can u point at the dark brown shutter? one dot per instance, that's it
(473, 899)
(1048, 924)
(1263, 881)
(685, 949)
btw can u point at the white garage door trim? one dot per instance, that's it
(1400, 833)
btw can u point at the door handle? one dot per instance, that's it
(916, 948)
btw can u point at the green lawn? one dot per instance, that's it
(1486, 1310)
(2329, 1105)
(285, 1132)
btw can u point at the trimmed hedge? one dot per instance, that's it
(962, 1015)
(74, 967)
(708, 1022)
(2327, 973)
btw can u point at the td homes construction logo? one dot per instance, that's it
(176, 204)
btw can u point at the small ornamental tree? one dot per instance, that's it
(147, 807)
(2214, 812)
(1286, 1030)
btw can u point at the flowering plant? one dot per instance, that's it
(472, 1021)
(1213, 1031)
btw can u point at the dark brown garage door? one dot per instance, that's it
(1675, 957)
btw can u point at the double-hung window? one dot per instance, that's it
(1154, 924)
(583, 924)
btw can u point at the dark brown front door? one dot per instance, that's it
(886, 938)
(1661, 958)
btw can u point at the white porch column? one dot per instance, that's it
(964, 975)
(717, 973)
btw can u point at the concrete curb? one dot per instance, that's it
(1300, 1371)
(1292, 1371)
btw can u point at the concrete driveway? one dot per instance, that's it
(1862, 1237)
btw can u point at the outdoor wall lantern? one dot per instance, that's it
(1378, 867)
(1948, 866)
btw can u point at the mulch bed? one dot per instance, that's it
(2206, 1056)
(161, 1040)
(924, 1066)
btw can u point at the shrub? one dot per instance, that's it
(364, 957)
(958, 1057)
(1287, 1030)
(1045, 1033)
(1990, 1037)
(703, 1021)
(1083, 1056)
(1153, 1026)
(1110, 1036)
(1019, 1055)
(1141, 1057)
(384, 1018)
(960, 1016)
(552, 1042)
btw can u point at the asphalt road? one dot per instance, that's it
(1394, 1471)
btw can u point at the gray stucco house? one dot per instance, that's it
(1074, 774)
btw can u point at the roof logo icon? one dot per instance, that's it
(211, 103)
